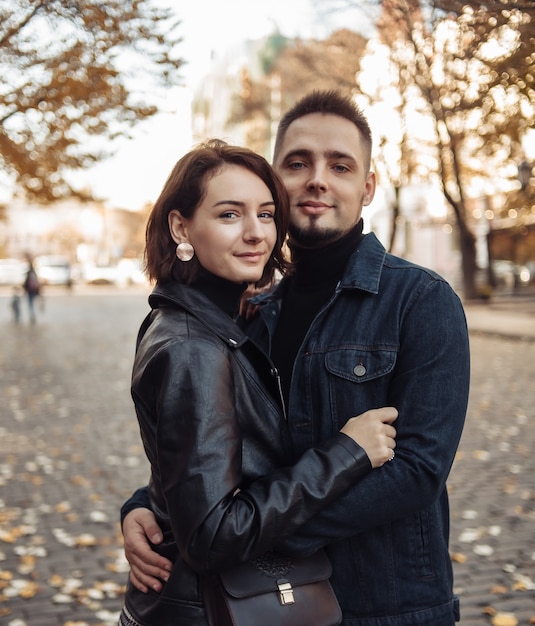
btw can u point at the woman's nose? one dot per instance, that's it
(253, 230)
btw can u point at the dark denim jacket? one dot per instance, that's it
(393, 334)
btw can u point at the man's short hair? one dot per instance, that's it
(329, 103)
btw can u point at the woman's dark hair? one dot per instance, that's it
(184, 191)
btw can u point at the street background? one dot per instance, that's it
(70, 454)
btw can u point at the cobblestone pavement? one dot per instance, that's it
(70, 454)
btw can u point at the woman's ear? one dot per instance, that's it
(177, 226)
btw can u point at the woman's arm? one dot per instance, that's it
(139, 523)
(199, 445)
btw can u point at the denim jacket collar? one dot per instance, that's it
(365, 265)
(363, 271)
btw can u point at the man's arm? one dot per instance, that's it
(147, 567)
(430, 389)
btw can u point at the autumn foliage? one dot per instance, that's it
(74, 75)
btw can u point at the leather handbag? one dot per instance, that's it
(273, 590)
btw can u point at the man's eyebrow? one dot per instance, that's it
(298, 152)
(328, 154)
(337, 154)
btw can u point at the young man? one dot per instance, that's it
(352, 329)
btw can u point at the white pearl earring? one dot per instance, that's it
(185, 251)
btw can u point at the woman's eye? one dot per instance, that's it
(266, 215)
(228, 215)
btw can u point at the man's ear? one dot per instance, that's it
(369, 190)
(177, 226)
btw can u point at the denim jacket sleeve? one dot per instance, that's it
(429, 387)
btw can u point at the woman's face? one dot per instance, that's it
(233, 230)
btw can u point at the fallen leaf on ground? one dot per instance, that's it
(85, 540)
(504, 619)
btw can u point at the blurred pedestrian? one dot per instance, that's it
(32, 287)
(15, 304)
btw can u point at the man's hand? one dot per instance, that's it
(148, 568)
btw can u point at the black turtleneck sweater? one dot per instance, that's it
(223, 293)
(317, 271)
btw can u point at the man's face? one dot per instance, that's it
(323, 164)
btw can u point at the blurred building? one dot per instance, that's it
(86, 232)
(216, 100)
(423, 232)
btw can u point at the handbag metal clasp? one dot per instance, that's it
(286, 593)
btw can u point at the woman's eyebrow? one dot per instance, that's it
(240, 203)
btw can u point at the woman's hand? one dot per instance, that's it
(374, 432)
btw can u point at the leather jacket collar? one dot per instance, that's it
(186, 297)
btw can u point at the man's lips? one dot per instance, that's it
(311, 207)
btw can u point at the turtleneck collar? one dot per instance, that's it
(223, 293)
(315, 266)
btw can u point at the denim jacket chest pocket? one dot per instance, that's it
(356, 380)
(361, 365)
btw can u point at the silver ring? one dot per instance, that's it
(392, 456)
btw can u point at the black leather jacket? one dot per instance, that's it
(224, 484)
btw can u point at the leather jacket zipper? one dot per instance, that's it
(276, 376)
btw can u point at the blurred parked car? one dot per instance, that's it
(527, 273)
(53, 270)
(510, 274)
(130, 272)
(100, 274)
(12, 271)
(504, 273)
(127, 272)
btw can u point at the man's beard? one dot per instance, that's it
(312, 236)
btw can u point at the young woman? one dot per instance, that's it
(224, 486)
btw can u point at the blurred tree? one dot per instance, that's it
(136, 232)
(291, 68)
(74, 75)
(468, 66)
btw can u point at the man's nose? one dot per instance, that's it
(317, 180)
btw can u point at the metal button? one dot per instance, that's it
(359, 370)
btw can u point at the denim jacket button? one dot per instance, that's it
(359, 370)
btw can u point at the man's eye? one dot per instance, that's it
(296, 165)
(341, 168)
